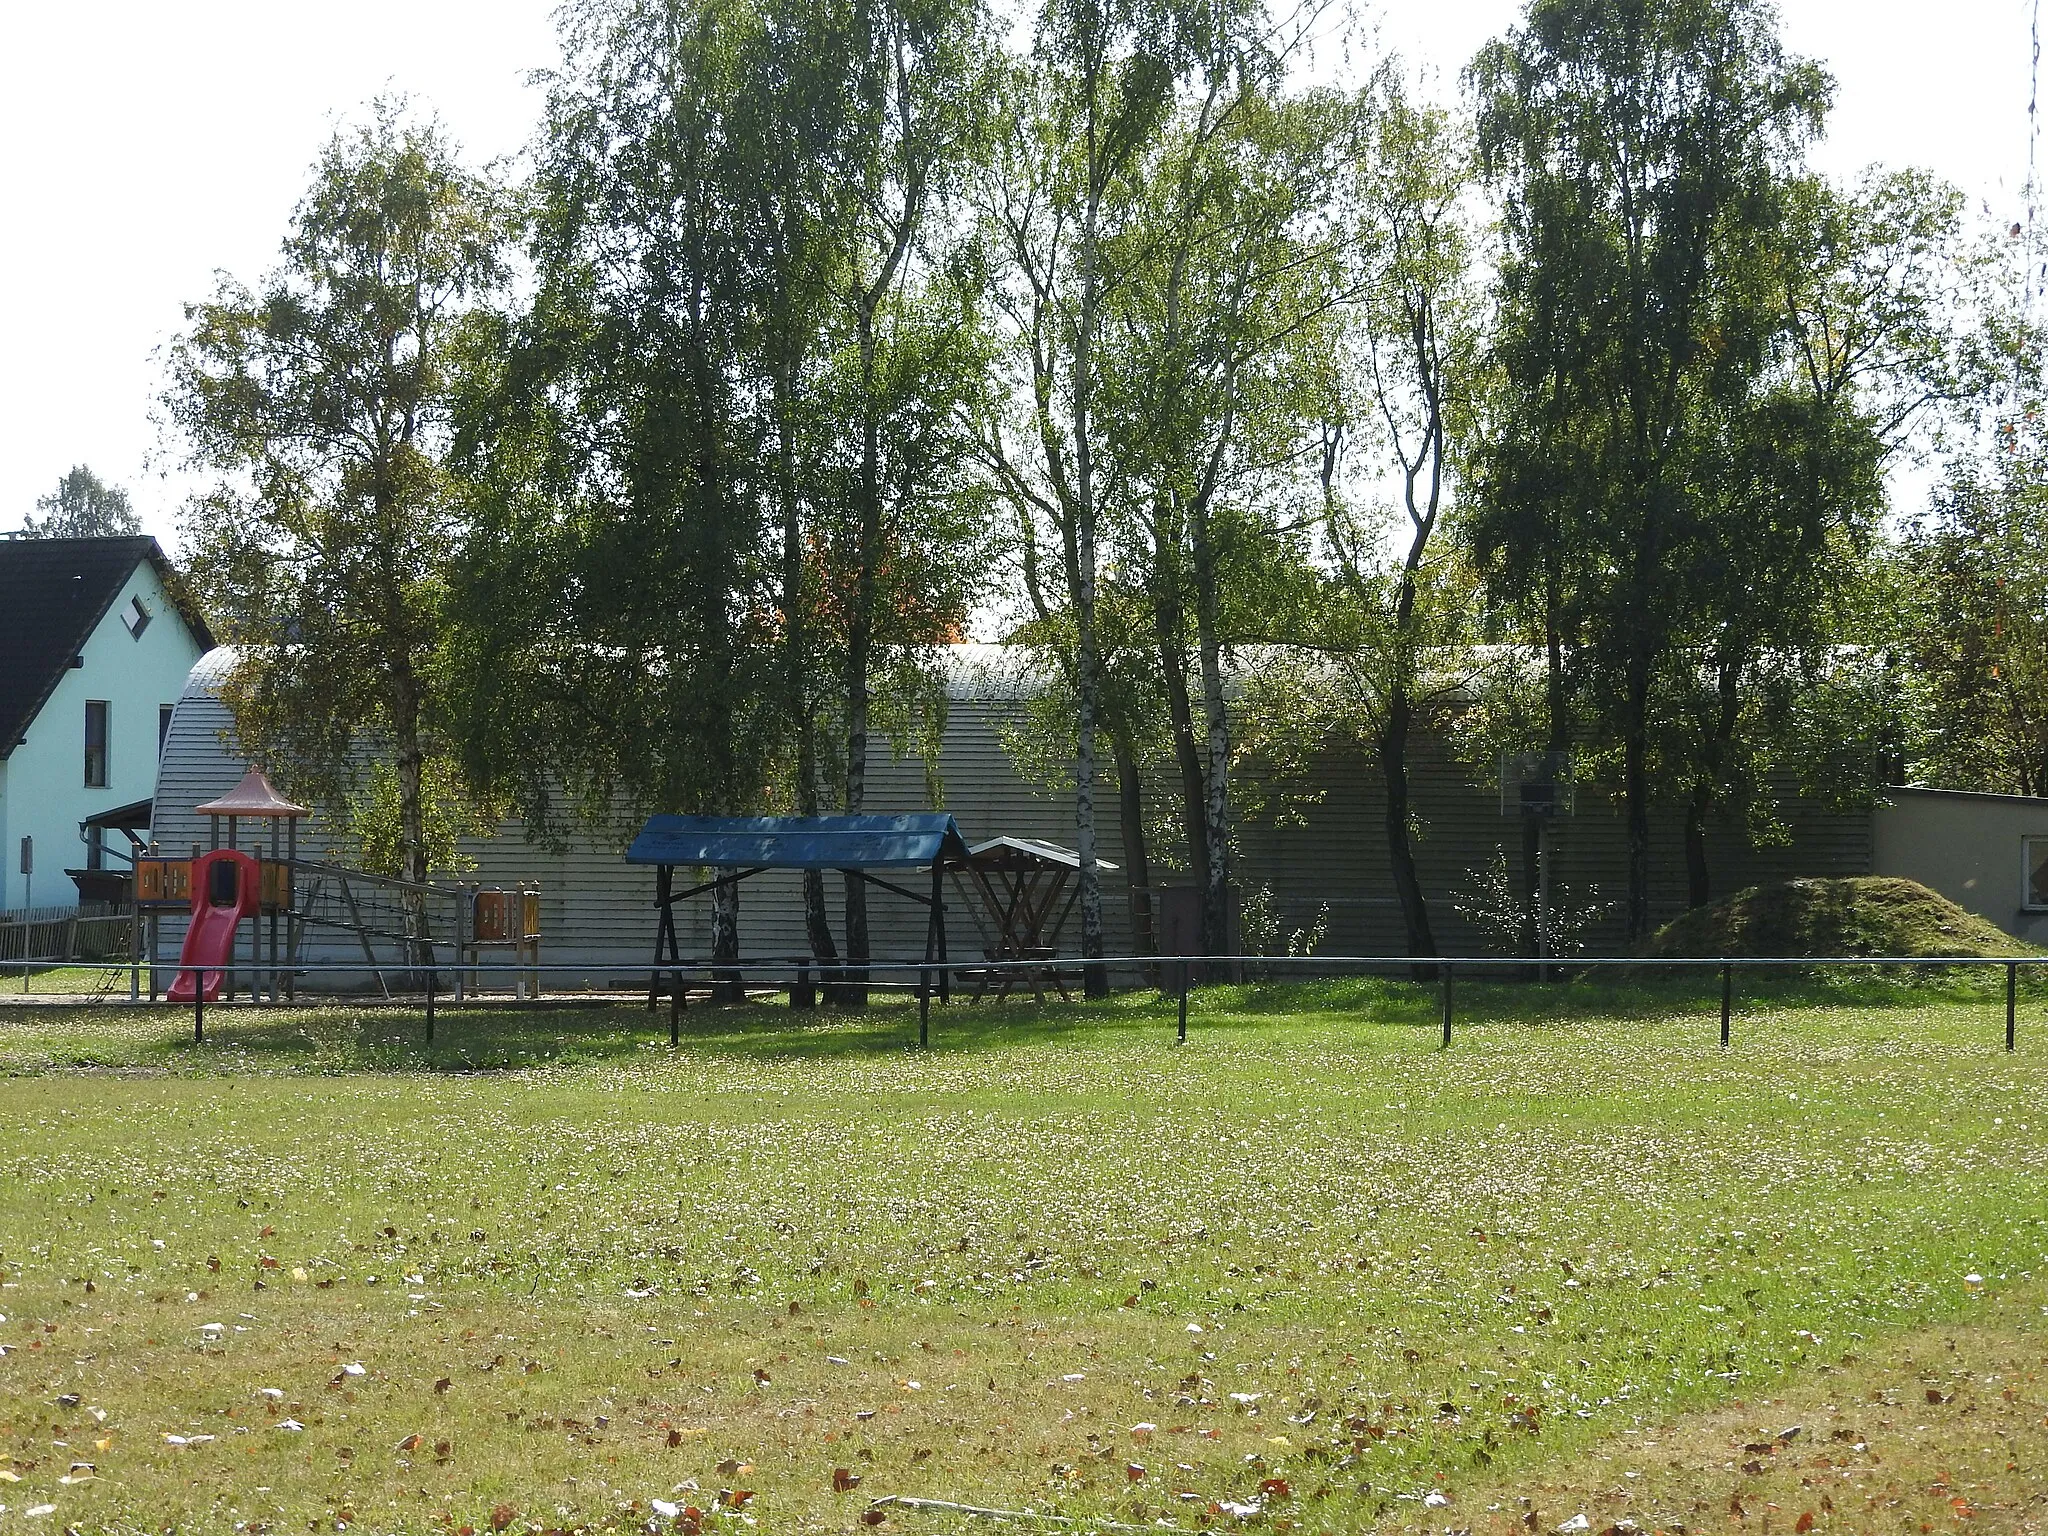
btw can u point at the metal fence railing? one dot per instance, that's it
(1173, 976)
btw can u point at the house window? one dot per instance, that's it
(136, 616)
(95, 743)
(163, 726)
(2036, 856)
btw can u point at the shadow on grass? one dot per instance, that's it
(1615, 995)
(497, 1037)
(340, 1038)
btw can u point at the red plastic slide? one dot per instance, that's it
(224, 891)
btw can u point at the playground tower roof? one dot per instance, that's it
(254, 796)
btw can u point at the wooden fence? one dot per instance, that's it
(66, 935)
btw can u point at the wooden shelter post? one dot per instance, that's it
(938, 929)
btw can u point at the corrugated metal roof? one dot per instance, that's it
(799, 842)
(596, 906)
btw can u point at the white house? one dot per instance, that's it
(96, 642)
(1986, 853)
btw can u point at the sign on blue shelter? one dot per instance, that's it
(739, 847)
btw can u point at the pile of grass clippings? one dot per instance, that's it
(1866, 915)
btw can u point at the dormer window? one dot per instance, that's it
(136, 616)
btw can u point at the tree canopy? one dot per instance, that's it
(1259, 419)
(83, 506)
(320, 401)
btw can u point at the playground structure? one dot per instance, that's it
(305, 915)
(287, 900)
(227, 886)
(502, 920)
(221, 889)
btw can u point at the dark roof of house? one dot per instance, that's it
(53, 594)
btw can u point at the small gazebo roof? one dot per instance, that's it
(1020, 853)
(254, 796)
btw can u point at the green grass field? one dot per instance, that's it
(96, 981)
(1305, 1271)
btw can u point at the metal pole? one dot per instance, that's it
(430, 1005)
(293, 926)
(1183, 1036)
(2012, 988)
(1447, 1006)
(1727, 997)
(199, 1008)
(276, 854)
(924, 1007)
(675, 1008)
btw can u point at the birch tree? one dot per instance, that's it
(82, 507)
(1406, 365)
(1083, 117)
(1098, 86)
(1233, 269)
(1644, 153)
(322, 401)
(619, 650)
(911, 362)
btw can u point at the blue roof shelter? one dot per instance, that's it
(800, 842)
(740, 847)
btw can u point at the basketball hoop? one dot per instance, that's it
(1536, 784)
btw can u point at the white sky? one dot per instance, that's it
(150, 144)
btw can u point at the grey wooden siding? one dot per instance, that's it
(1337, 852)
(596, 909)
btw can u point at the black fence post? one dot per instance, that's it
(430, 1007)
(1447, 1006)
(675, 1008)
(2012, 991)
(924, 1007)
(1182, 1037)
(1727, 997)
(198, 1009)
